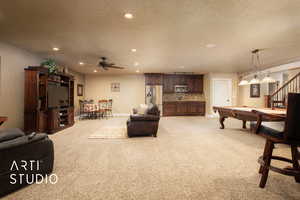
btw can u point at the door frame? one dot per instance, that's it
(230, 81)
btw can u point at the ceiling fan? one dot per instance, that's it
(106, 65)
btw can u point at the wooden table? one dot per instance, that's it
(2, 120)
(248, 114)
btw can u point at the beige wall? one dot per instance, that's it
(246, 100)
(13, 62)
(132, 90)
(208, 87)
(79, 79)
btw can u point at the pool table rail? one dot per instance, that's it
(245, 114)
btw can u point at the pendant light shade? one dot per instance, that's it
(256, 64)
(243, 82)
(268, 79)
(255, 80)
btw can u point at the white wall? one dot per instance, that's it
(13, 62)
(132, 90)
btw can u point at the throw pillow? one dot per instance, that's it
(142, 109)
(135, 111)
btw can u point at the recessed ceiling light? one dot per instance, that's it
(55, 49)
(95, 70)
(133, 50)
(81, 63)
(211, 45)
(128, 16)
(136, 64)
(137, 71)
(181, 67)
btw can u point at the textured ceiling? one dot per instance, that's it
(166, 33)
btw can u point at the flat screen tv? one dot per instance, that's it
(57, 95)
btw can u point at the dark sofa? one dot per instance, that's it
(18, 148)
(144, 124)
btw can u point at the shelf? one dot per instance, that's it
(39, 117)
(61, 82)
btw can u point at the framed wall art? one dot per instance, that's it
(115, 87)
(79, 90)
(255, 90)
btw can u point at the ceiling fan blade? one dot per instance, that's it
(115, 67)
(258, 50)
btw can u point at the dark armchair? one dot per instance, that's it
(144, 124)
(16, 148)
(289, 135)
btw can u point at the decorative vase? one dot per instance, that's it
(66, 70)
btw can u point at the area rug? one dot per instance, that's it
(110, 132)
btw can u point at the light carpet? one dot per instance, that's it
(110, 132)
(191, 158)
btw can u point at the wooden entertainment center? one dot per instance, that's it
(41, 112)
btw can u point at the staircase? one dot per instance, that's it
(279, 98)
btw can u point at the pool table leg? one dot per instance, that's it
(244, 124)
(221, 120)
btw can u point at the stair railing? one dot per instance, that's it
(279, 97)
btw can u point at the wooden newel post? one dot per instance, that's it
(268, 101)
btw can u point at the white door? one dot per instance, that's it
(222, 92)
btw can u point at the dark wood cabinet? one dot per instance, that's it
(53, 122)
(194, 82)
(169, 82)
(181, 108)
(42, 121)
(169, 108)
(71, 115)
(179, 79)
(193, 108)
(153, 79)
(197, 107)
(39, 116)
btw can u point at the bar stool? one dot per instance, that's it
(89, 110)
(81, 110)
(108, 110)
(290, 136)
(102, 107)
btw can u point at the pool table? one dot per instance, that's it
(248, 114)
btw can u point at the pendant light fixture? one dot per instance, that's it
(255, 61)
(256, 64)
(243, 82)
(268, 79)
(255, 80)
